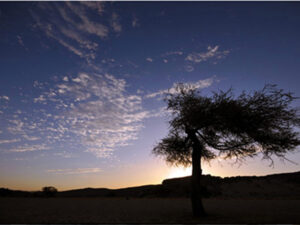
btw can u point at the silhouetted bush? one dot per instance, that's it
(49, 191)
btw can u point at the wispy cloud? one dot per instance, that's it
(95, 5)
(29, 148)
(71, 25)
(75, 171)
(9, 141)
(95, 109)
(20, 41)
(211, 53)
(115, 24)
(172, 53)
(86, 24)
(135, 22)
(41, 98)
(89, 112)
(149, 59)
(189, 68)
(64, 154)
(30, 138)
(4, 97)
(200, 84)
(16, 126)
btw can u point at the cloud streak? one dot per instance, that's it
(9, 141)
(29, 148)
(75, 24)
(75, 171)
(200, 84)
(4, 97)
(211, 53)
(135, 22)
(149, 59)
(115, 23)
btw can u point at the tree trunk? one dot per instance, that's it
(198, 209)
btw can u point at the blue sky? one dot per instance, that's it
(81, 83)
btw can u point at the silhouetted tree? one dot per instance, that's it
(202, 128)
(49, 191)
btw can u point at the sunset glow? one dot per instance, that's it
(180, 172)
(82, 84)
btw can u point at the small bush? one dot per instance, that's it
(49, 191)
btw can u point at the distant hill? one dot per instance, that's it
(284, 186)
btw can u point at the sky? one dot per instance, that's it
(82, 83)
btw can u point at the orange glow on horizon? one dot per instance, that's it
(179, 172)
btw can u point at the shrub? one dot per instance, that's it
(49, 191)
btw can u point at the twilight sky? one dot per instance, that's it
(82, 83)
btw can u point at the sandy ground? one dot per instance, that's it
(157, 210)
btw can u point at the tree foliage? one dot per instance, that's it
(230, 127)
(49, 191)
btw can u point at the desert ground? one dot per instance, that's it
(145, 210)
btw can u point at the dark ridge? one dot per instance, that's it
(285, 185)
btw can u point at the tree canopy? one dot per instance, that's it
(230, 127)
(49, 191)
